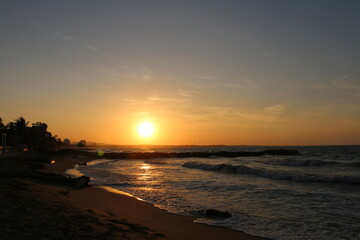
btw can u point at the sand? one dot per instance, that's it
(33, 208)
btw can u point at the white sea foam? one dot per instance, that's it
(273, 174)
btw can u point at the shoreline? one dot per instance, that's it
(122, 204)
(35, 205)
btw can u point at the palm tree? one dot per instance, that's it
(21, 124)
(21, 131)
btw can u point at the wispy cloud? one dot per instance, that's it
(92, 48)
(349, 81)
(212, 82)
(187, 92)
(206, 77)
(155, 99)
(36, 23)
(139, 77)
(125, 73)
(64, 36)
(321, 86)
(195, 86)
(276, 109)
(68, 38)
(95, 50)
(266, 117)
(160, 99)
(132, 101)
(242, 83)
(343, 89)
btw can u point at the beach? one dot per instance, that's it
(34, 208)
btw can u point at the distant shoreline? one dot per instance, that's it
(92, 145)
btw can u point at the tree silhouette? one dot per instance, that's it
(21, 132)
(20, 124)
(2, 126)
(2, 131)
(35, 138)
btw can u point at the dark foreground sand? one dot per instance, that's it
(33, 208)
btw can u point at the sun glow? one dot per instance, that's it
(145, 129)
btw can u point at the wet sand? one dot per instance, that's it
(36, 209)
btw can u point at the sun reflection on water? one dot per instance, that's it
(145, 174)
(145, 166)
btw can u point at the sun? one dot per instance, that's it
(145, 129)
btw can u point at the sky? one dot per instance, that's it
(270, 72)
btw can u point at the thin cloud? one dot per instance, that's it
(195, 86)
(214, 83)
(320, 86)
(127, 68)
(63, 36)
(206, 77)
(126, 74)
(68, 38)
(349, 81)
(154, 99)
(92, 48)
(36, 23)
(132, 101)
(187, 92)
(130, 74)
(160, 99)
(267, 117)
(276, 109)
(241, 83)
(139, 77)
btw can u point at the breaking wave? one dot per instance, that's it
(273, 174)
(151, 161)
(298, 162)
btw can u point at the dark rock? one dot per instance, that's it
(213, 213)
(83, 163)
(65, 193)
(81, 182)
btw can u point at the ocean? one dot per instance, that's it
(314, 195)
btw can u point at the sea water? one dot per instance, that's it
(314, 195)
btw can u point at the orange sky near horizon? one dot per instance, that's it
(254, 129)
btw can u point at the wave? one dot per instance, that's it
(149, 161)
(298, 162)
(272, 174)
